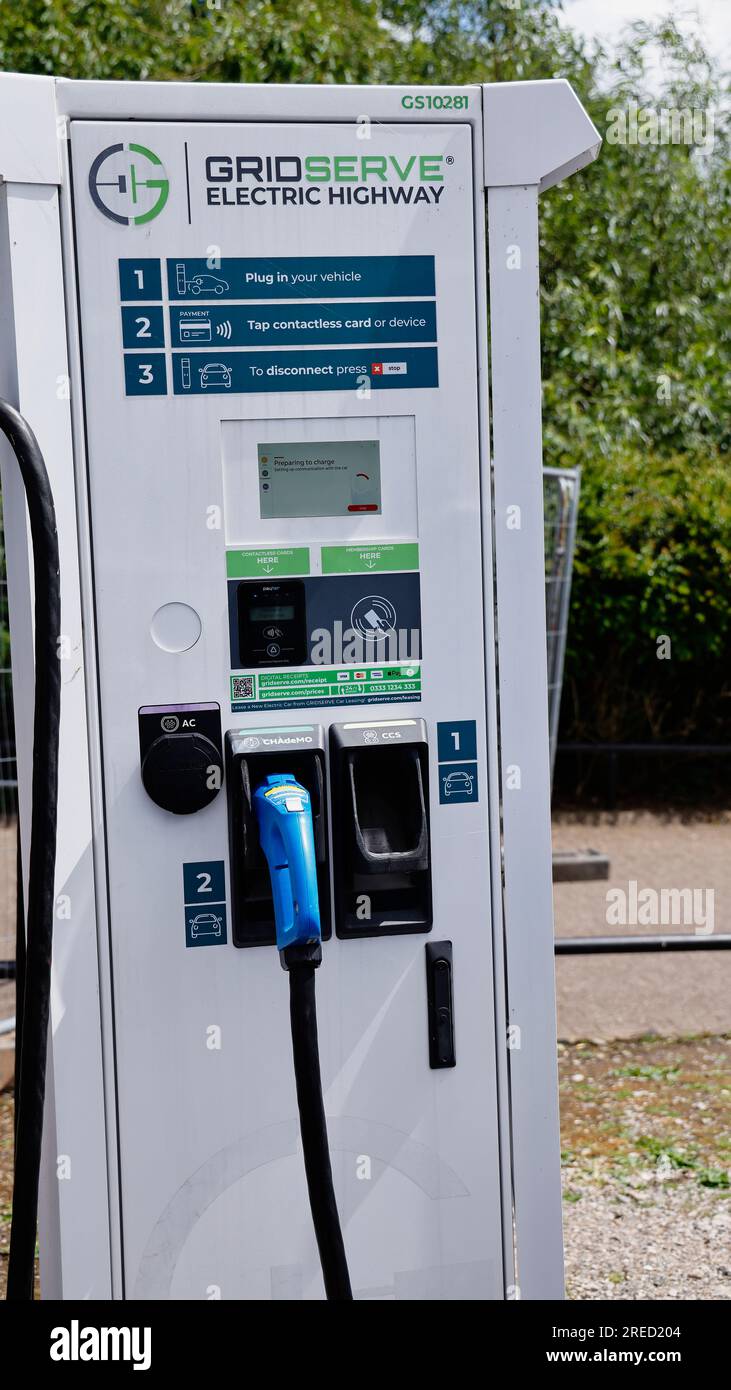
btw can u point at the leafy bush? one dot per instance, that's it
(650, 627)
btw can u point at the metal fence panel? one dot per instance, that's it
(560, 511)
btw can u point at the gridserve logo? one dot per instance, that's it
(128, 184)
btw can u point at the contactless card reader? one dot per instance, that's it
(271, 618)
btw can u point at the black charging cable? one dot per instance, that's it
(301, 962)
(32, 1008)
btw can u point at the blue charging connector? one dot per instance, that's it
(284, 816)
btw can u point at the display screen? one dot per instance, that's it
(331, 478)
(273, 613)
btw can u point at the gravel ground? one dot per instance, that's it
(6, 1189)
(672, 1245)
(646, 1138)
(6, 1181)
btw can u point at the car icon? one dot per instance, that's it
(215, 374)
(458, 784)
(205, 924)
(206, 284)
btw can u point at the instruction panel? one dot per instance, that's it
(199, 316)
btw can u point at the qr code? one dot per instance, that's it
(243, 687)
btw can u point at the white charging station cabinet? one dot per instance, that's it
(300, 516)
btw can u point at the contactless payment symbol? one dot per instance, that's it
(128, 184)
(373, 617)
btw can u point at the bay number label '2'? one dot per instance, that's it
(204, 891)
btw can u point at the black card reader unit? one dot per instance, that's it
(379, 777)
(251, 756)
(271, 621)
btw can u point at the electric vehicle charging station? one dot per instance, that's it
(301, 530)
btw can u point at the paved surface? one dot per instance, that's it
(603, 997)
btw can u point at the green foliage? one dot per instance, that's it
(199, 40)
(674, 1157)
(636, 280)
(648, 1073)
(486, 41)
(637, 313)
(653, 559)
(635, 284)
